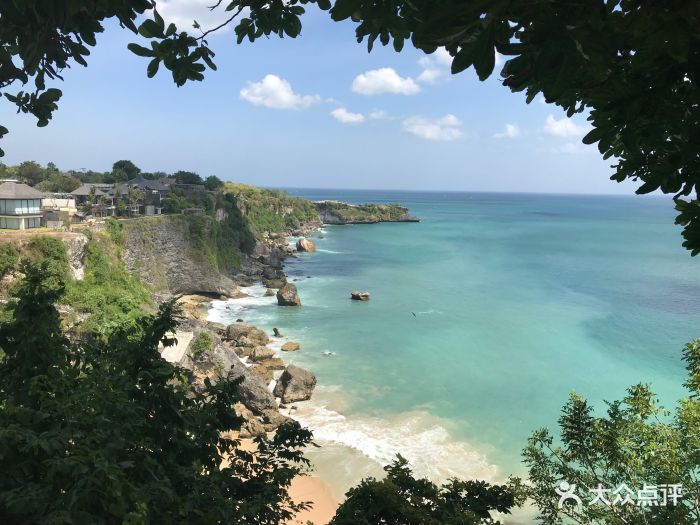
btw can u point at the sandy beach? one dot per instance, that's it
(315, 490)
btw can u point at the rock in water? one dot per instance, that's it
(305, 245)
(359, 296)
(276, 332)
(287, 296)
(295, 384)
(269, 292)
(290, 346)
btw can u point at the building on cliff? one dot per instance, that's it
(20, 206)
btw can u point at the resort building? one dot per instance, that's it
(20, 206)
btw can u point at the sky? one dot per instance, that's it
(317, 111)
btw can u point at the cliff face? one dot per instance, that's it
(335, 212)
(167, 254)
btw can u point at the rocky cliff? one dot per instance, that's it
(167, 254)
(336, 212)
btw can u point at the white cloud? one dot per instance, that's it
(511, 131)
(565, 127)
(384, 80)
(436, 67)
(445, 129)
(378, 114)
(346, 117)
(499, 59)
(183, 13)
(275, 92)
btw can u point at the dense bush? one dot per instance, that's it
(9, 257)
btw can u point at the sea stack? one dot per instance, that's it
(288, 296)
(305, 245)
(359, 296)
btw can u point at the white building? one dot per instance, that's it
(20, 206)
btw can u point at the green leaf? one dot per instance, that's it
(140, 50)
(153, 67)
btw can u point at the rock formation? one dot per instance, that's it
(359, 296)
(305, 245)
(295, 384)
(290, 346)
(288, 296)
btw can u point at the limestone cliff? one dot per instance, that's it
(173, 257)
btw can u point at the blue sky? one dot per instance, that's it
(316, 111)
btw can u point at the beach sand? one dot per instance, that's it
(315, 490)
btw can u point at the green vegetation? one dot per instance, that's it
(110, 297)
(361, 212)
(107, 432)
(9, 257)
(637, 443)
(401, 499)
(201, 344)
(271, 210)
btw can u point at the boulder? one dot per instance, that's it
(272, 419)
(263, 372)
(260, 353)
(305, 245)
(295, 384)
(253, 389)
(274, 283)
(243, 351)
(246, 335)
(359, 296)
(269, 292)
(276, 332)
(288, 296)
(273, 363)
(290, 346)
(251, 426)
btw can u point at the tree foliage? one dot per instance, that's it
(636, 443)
(401, 499)
(108, 432)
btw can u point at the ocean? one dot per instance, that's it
(483, 318)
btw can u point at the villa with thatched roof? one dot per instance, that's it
(20, 206)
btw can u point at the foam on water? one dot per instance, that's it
(419, 437)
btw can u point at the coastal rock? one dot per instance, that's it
(251, 427)
(272, 420)
(276, 332)
(242, 334)
(295, 384)
(288, 296)
(305, 245)
(243, 351)
(269, 292)
(359, 296)
(275, 283)
(260, 353)
(253, 389)
(290, 346)
(217, 328)
(76, 250)
(194, 306)
(263, 372)
(273, 363)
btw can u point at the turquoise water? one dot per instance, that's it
(483, 318)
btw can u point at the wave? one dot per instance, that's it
(418, 436)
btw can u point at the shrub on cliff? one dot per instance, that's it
(108, 432)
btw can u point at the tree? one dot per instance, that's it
(108, 432)
(637, 443)
(213, 183)
(187, 177)
(127, 167)
(31, 172)
(401, 499)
